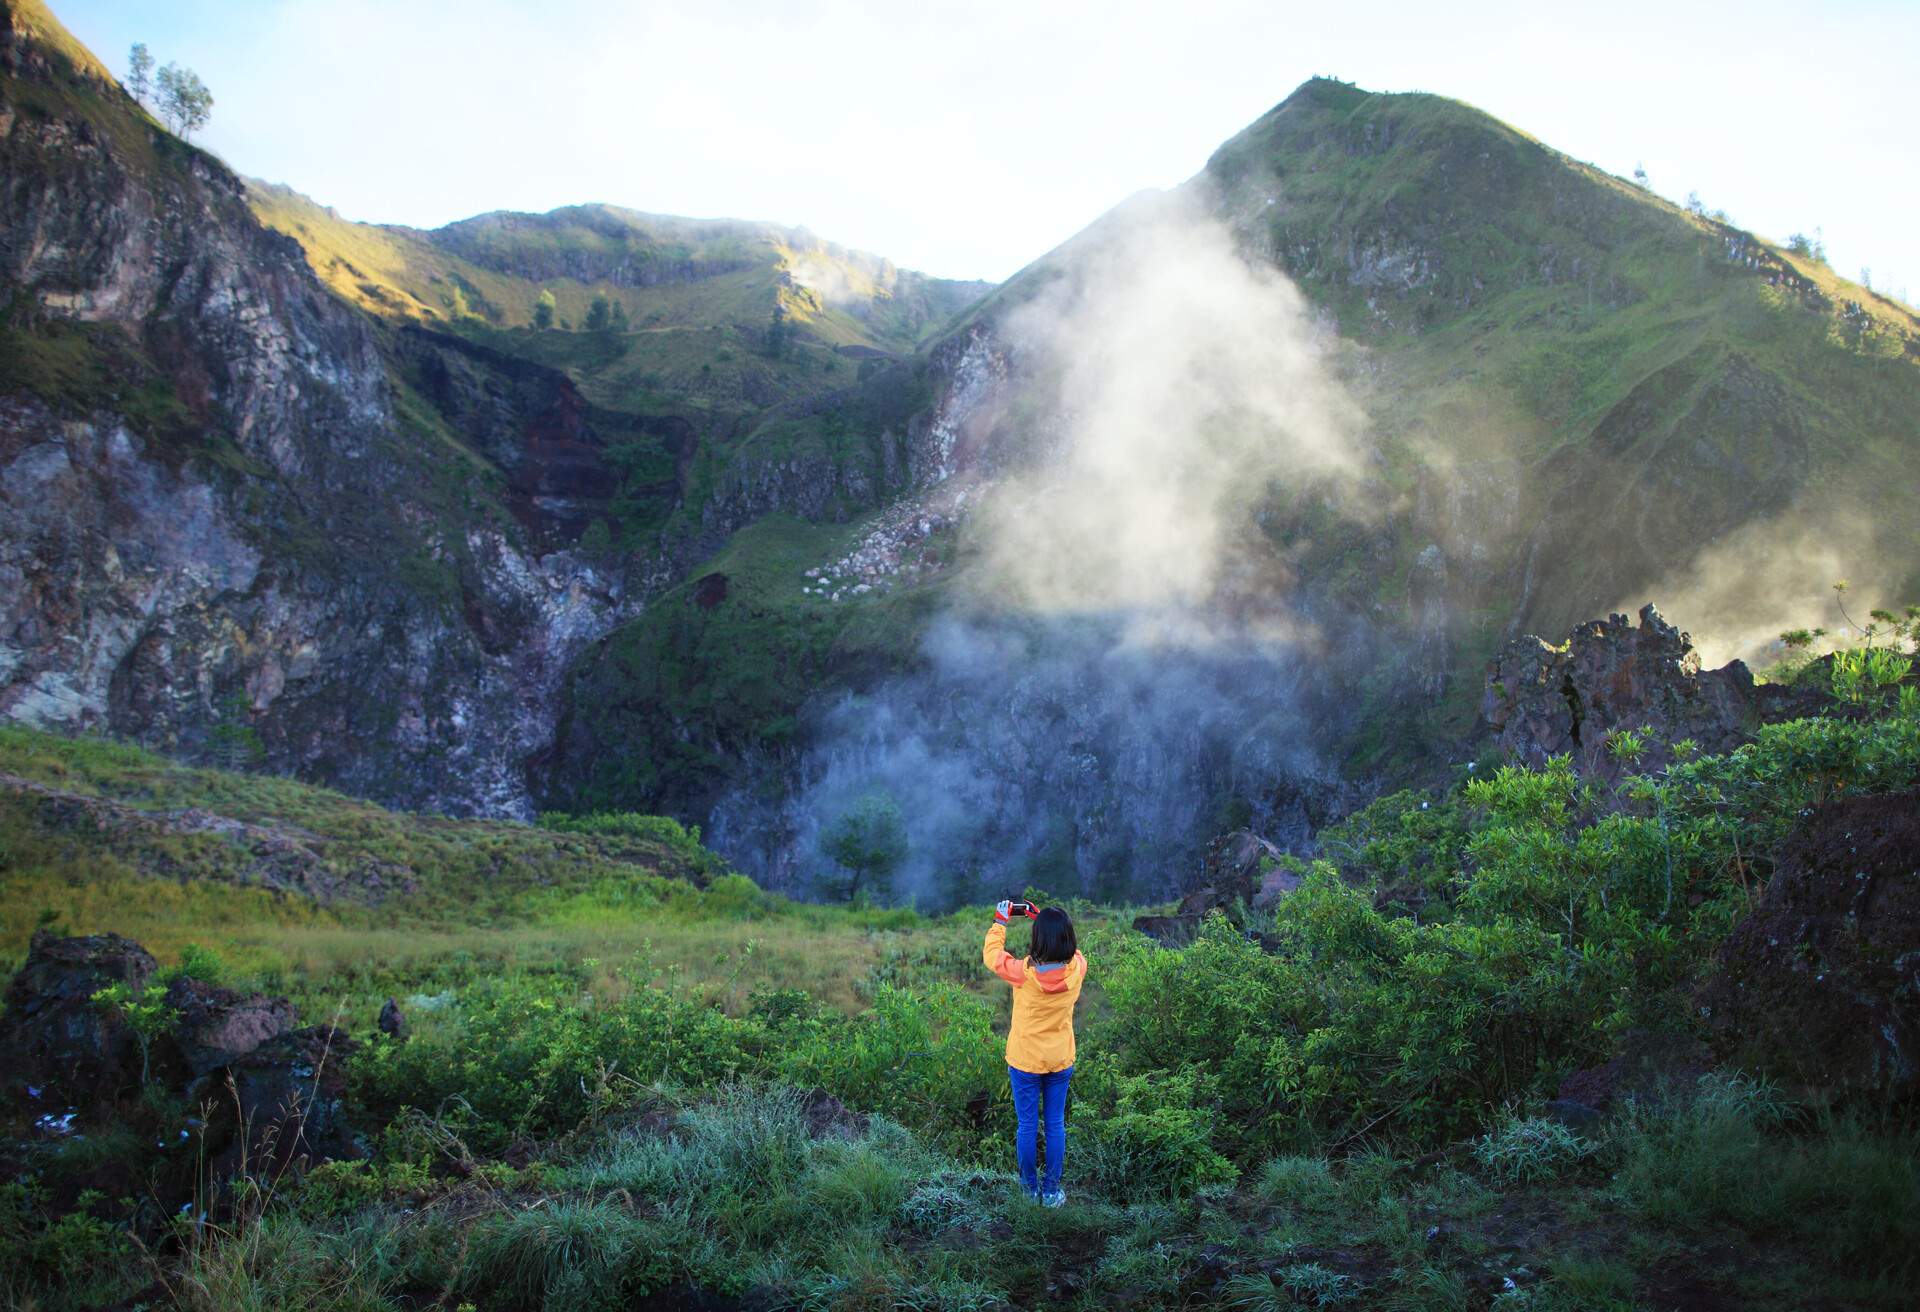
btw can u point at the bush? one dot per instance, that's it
(1157, 1142)
(528, 1055)
(1529, 1150)
(921, 1058)
(1303, 1182)
(568, 1255)
(1722, 1157)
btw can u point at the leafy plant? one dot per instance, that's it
(143, 1010)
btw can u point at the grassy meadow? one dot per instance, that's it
(635, 1079)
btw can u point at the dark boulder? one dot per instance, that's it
(393, 1021)
(214, 1027)
(54, 1036)
(281, 1106)
(1169, 931)
(1820, 985)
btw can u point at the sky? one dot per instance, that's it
(967, 139)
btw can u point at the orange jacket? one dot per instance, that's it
(1040, 1040)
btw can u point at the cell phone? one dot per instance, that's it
(1022, 909)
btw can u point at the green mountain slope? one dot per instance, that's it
(1648, 381)
(1579, 396)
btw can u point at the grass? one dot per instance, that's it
(657, 1062)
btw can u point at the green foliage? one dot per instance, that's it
(139, 71)
(530, 1055)
(1157, 1141)
(185, 102)
(1723, 1157)
(543, 310)
(1867, 674)
(586, 1254)
(1530, 1149)
(920, 1057)
(599, 314)
(144, 1011)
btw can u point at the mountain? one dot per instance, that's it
(322, 498)
(311, 495)
(1576, 396)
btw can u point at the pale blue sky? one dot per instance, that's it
(966, 139)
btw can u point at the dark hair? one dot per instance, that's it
(1053, 937)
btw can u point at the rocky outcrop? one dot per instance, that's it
(56, 1043)
(1543, 701)
(1242, 871)
(1820, 985)
(215, 1027)
(265, 1095)
(284, 858)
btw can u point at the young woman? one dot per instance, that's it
(1046, 985)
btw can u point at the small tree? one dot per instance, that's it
(236, 743)
(619, 317)
(869, 842)
(139, 71)
(1640, 176)
(543, 308)
(145, 1012)
(778, 330)
(599, 313)
(185, 102)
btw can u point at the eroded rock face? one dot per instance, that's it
(1543, 701)
(233, 546)
(1820, 986)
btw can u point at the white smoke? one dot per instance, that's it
(1120, 666)
(1186, 383)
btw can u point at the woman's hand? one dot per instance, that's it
(1003, 911)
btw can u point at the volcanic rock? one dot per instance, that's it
(1543, 701)
(54, 1037)
(1820, 986)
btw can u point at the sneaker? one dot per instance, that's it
(1058, 1198)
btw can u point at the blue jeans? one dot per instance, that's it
(1029, 1092)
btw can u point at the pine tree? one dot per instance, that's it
(599, 313)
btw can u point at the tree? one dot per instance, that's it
(1640, 176)
(869, 842)
(619, 317)
(236, 743)
(1695, 206)
(139, 71)
(543, 310)
(778, 331)
(185, 102)
(599, 313)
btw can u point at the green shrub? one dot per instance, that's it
(527, 1054)
(1724, 1157)
(918, 1057)
(1528, 1150)
(567, 1255)
(1303, 1182)
(1157, 1142)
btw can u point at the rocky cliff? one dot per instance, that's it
(232, 528)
